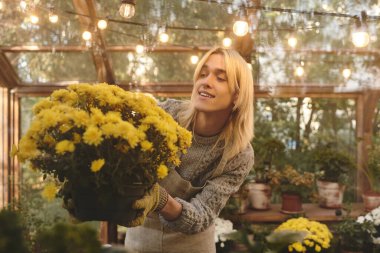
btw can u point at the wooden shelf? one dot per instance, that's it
(311, 211)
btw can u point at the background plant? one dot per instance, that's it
(373, 168)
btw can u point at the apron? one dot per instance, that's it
(153, 237)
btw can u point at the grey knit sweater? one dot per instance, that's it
(197, 165)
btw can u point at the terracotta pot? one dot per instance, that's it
(259, 196)
(291, 203)
(330, 194)
(371, 200)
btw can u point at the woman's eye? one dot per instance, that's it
(221, 79)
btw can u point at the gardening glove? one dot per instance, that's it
(154, 200)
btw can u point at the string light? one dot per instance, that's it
(299, 71)
(292, 41)
(140, 49)
(164, 37)
(240, 28)
(227, 42)
(34, 18)
(53, 17)
(346, 73)
(194, 59)
(102, 24)
(86, 35)
(127, 8)
(360, 36)
(23, 5)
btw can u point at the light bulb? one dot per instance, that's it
(240, 28)
(23, 5)
(164, 37)
(140, 49)
(292, 41)
(194, 59)
(1, 5)
(34, 18)
(227, 42)
(127, 8)
(346, 73)
(53, 18)
(102, 24)
(86, 35)
(360, 38)
(299, 71)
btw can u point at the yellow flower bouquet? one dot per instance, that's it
(317, 235)
(100, 140)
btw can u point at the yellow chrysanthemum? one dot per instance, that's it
(162, 171)
(97, 165)
(49, 192)
(92, 136)
(146, 145)
(64, 146)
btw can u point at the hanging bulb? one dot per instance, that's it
(346, 73)
(34, 18)
(1, 5)
(194, 59)
(140, 49)
(102, 24)
(127, 8)
(164, 37)
(23, 5)
(227, 42)
(299, 71)
(240, 28)
(53, 18)
(360, 36)
(292, 41)
(86, 35)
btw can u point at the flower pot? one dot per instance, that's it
(259, 195)
(89, 205)
(291, 203)
(371, 200)
(330, 194)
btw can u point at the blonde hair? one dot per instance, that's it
(238, 131)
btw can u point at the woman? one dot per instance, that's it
(220, 115)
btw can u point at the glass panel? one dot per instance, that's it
(157, 14)
(153, 67)
(17, 28)
(53, 67)
(305, 125)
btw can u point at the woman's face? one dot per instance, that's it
(211, 92)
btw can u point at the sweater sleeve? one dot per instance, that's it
(200, 212)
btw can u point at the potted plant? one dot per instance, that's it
(317, 236)
(333, 170)
(269, 153)
(371, 221)
(103, 146)
(352, 235)
(294, 186)
(371, 198)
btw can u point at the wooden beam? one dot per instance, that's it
(100, 57)
(169, 49)
(365, 110)
(8, 76)
(4, 148)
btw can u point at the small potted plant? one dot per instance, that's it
(372, 222)
(269, 153)
(333, 169)
(351, 235)
(371, 198)
(294, 186)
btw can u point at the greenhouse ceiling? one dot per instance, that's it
(36, 52)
